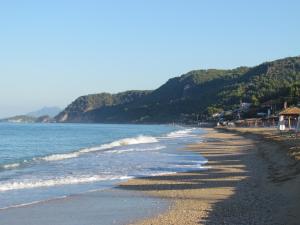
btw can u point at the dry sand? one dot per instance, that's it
(250, 180)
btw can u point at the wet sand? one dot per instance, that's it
(248, 181)
(93, 208)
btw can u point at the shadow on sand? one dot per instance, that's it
(234, 165)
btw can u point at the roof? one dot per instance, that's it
(290, 111)
(252, 119)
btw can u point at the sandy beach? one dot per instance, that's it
(252, 177)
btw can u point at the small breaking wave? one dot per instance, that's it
(28, 184)
(181, 133)
(10, 166)
(162, 173)
(136, 150)
(122, 142)
(141, 139)
(63, 156)
(56, 157)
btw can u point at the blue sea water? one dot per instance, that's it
(45, 161)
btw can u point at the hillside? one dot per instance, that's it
(78, 111)
(196, 93)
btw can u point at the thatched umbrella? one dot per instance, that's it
(292, 112)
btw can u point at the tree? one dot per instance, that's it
(254, 100)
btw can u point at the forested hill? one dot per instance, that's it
(199, 92)
(78, 111)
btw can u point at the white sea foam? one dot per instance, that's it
(122, 142)
(181, 133)
(194, 164)
(191, 166)
(56, 157)
(27, 184)
(155, 148)
(11, 166)
(162, 173)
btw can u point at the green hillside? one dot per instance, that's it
(77, 110)
(199, 92)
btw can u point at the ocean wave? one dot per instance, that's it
(10, 166)
(181, 133)
(162, 173)
(141, 139)
(155, 148)
(28, 184)
(122, 142)
(63, 156)
(56, 157)
(190, 166)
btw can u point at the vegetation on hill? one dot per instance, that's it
(77, 110)
(192, 96)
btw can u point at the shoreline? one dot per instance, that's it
(89, 208)
(247, 180)
(141, 205)
(239, 188)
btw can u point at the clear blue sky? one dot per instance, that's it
(54, 51)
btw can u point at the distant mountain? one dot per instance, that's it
(44, 115)
(28, 119)
(45, 111)
(19, 119)
(196, 93)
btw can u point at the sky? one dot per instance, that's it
(52, 52)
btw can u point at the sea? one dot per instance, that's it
(40, 162)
